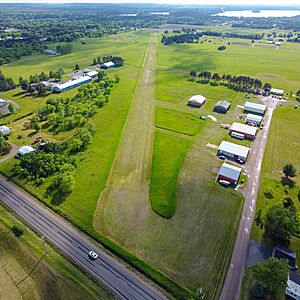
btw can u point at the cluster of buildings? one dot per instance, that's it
(85, 77)
(230, 174)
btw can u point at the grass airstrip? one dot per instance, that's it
(149, 152)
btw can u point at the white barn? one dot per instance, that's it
(253, 119)
(255, 108)
(5, 131)
(233, 151)
(277, 92)
(197, 100)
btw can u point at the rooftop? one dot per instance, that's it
(234, 148)
(277, 91)
(285, 251)
(223, 103)
(92, 73)
(197, 98)
(230, 171)
(254, 105)
(295, 277)
(73, 82)
(243, 128)
(108, 64)
(26, 149)
(254, 117)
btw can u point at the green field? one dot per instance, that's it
(237, 59)
(169, 152)
(25, 273)
(151, 152)
(177, 121)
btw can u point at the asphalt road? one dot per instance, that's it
(111, 273)
(253, 166)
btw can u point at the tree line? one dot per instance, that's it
(6, 84)
(237, 83)
(15, 51)
(118, 61)
(64, 49)
(193, 37)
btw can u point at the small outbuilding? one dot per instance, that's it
(222, 106)
(196, 101)
(51, 52)
(277, 92)
(3, 102)
(293, 286)
(255, 108)
(5, 131)
(92, 74)
(281, 252)
(229, 173)
(233, 151)
(253, 119)
(249, 132)
(107, 65)
(25, 150)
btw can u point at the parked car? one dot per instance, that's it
(241, 161)
(221, 156)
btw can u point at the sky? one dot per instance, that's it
(200, 2)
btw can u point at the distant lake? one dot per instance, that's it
(260, 13)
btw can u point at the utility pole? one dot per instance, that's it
(200, 294)
(43, 239)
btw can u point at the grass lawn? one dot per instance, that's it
(165, 171)
(235, 60)
(283, 142)
(53, 277)
(177, 121)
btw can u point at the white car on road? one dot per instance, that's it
(93, 255)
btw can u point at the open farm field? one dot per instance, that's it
(257, 61)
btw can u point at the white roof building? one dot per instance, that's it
(250, 118)
(108, 65)
(92, 74)
(255, 108)
(248, 131)
(233, 150)
(293, 286)
(197, 100)
(25, 150)
(5, 131)
(2, 102)
(277, 92)
(72, 84)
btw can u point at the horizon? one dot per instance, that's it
(247, 3)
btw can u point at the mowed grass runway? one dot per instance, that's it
(194, 245)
